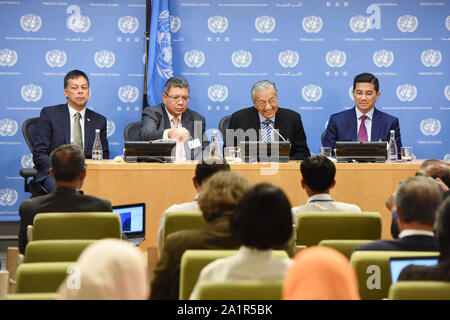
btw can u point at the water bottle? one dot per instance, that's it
(97, 151)
(214, 147)
(392, 148)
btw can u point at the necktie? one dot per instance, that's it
(77, 137)
(266, 133)
(362, 134)
(179, 146)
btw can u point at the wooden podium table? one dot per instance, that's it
(367, 185)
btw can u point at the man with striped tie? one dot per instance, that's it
(265, 121)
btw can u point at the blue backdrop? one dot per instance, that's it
(311, 49)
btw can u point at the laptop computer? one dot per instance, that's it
(149, 151)
(132, 217)
(397, 264)
(368, 151)
(275, 151)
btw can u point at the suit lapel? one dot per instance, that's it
(165, 118)
(188, 124)
(353, 124)
(375, 134)
(89, 131)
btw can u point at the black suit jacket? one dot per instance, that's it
(287, 122)
(410, 243)
(62, 199)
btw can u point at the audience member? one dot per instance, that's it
(109, 269)
(69, 171)
(204, 169)
(441, 271)
(320, 273)
(218, 197)
(417, 199)
(261, 222)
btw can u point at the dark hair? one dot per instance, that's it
(442, 228)
(366, 77)
(67, 162)
(73, 75)
(318, 173)
(435, 168)
(176, 82)
(208, 166)
(263, 218)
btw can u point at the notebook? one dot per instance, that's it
(397, 264)
(133, 221)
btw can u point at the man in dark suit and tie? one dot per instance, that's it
(265, 120)
(363, 122)
(172, 119)
(68, 169)
(67, 123)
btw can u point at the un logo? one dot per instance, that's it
(104, 59)
(175, 24)
(406, 92)
(311, 93)
(383, 58)
(56, 58)
(27, 161)
(8, 197)
(218, 24)
(359, 24)
(110, 128)
(430, 126)
(8, 57)
(265, 24)
(8, 127)
(76, 22)
(407, 23)
(431, 58)
(288, 58)
(447, 23)
(447, 92)
(241, 58)
(128, 94)
(128, 24)
(164, 47)
(336, 58)
(30, 22)
(217, 93)
(31, 92)
(194, 58)
(312, 24)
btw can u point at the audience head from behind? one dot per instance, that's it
(109, 269)
(442, 229)
(435, 169)
(221, 193)
(262, 220)
(68, 166)
(417, 199)
(207, 167)
(320, 273)
(318, 173)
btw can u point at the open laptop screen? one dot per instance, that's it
(132, 217)
(397, 264)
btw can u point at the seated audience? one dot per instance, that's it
(261, 222)
(218, 197)
(417, 199)
(69, 171)
(109, 269)
(204, 169)
(441, 271)
(320, 273)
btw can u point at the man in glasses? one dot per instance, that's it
(173, 120)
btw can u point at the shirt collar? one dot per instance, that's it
(415, 232)
(369, 114)
(320, 197)
(73, 111)
(247, 251)
(171, 116)
(262, 118)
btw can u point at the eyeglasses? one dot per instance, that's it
(177, 98)
(262, 104)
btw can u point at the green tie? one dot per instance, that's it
(77, 139)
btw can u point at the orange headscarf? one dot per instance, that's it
(320, 273)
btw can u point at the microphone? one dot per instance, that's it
(276, 131)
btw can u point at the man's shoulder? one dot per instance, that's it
(186, 206)
(195, 115)
(158, 109)
(385, 245)
(52, 110)
(91, 113)
(287, 112)
(380, 114)
(243, 112)
(344, 113)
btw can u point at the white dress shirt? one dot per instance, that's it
(166, 132)
(367, 122)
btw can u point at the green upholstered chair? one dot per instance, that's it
(240, 290)
(373, 271)
(40, 277)
(312, 227)
(76, 225)
(420, 290)
(55, 250)
(193, 261)
(343, 246)
(180, 220)
(32, 296)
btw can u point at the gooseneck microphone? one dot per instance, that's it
(276, 131)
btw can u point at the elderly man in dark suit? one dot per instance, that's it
(67, 123)
(69, 170)
(265, 121)
(172, 119)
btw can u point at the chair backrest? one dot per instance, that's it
(373, 271)
(55, 250)
(240, 290)
(345, 247)
(420, 290)
(32, 296)
(224, 124)
(41, 276)
(131, 132)
(76, 225)
(193, 261)
(181, 220)
(312, 227)
(322, 136)
(28, 131)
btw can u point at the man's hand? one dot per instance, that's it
(442, 185)
(390, 203)
(178, 134)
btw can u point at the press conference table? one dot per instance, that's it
(160, 185)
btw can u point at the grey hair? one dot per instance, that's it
(263, 85)
(175, 82)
